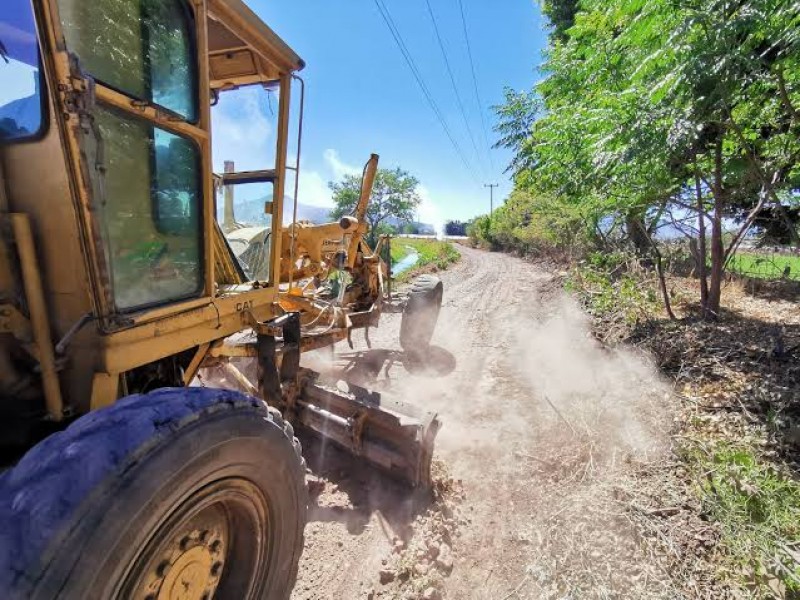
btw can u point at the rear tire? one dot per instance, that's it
(195, 490)
(421, 314)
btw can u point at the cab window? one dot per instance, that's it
(245, 125)
(247, 226)
(21, 98)
(147, 187)
(151, 211)
(142, 48)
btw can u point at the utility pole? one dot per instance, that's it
(491, 187)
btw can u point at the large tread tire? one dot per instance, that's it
(421, 314)
(80, 507)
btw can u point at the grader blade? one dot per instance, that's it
(395, 436)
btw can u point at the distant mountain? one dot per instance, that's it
(306, 212)
(424, 228)
(417, 227)
(251, 212)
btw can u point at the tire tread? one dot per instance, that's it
(51, 481)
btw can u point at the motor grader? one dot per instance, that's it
(122, 284)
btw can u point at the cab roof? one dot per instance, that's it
(242, 49)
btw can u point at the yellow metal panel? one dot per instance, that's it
(279, 185)
(142, 344)
(246, 25)
(40, 322)
(105, 390)
(239, 63)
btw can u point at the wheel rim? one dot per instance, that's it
(216, 543)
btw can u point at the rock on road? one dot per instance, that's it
(542, 426)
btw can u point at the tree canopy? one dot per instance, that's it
(394, 198)
(652, 109)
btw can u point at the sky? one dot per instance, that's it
(361, 96)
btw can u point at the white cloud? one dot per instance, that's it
(429, 212)
(243, 129)
(338, 168)
(314, 188)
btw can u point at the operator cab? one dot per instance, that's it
(108, 150)
(145, 127)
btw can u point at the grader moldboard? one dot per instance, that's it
(120, 289)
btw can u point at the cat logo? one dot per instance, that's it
(243, 306)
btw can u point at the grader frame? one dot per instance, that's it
(71, 342)
(118, 287)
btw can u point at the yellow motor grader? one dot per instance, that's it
(122, 285)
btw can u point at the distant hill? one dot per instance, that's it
(418, 228)
(252, 212)
(306, 212)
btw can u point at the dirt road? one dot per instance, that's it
(543, 430)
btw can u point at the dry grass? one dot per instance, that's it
(722, 516)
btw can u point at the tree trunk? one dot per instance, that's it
(662, 280)
(637, 233)
(702, 251)
(717, 251)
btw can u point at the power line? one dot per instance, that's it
(453, 81)
(475, 83)
(398, 38)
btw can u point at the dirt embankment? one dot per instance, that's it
(542, 431)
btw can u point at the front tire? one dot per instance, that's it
(421, 314)
(180, 493)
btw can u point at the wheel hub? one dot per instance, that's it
(216, 543)
(190, 568)
(189, 578)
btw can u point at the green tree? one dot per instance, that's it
(649, 108)
(455, 228)
(395, 197)
(561, 14)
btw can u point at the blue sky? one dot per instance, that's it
(362, 98)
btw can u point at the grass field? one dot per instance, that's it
(766, 266)
(431, 252)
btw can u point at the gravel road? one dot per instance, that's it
(543, 431)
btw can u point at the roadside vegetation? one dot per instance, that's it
(434, 255)
(662, 136)
(725, 515)
(658, 119)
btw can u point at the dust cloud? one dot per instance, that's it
(607, 395)
(542, 430)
